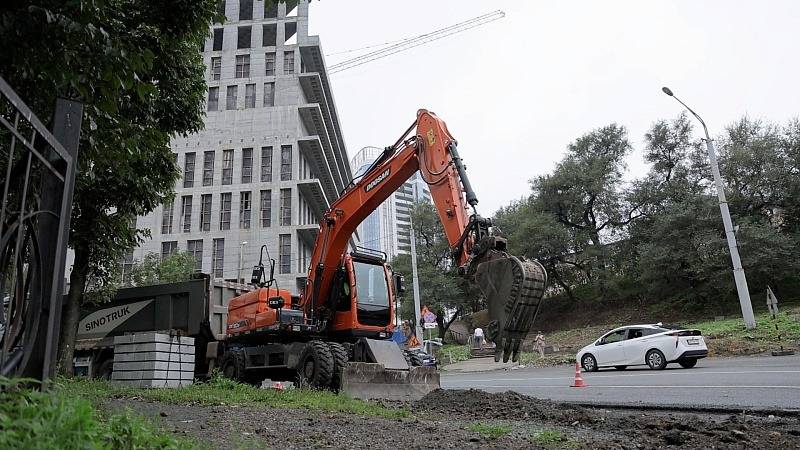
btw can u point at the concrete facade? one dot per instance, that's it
(388, 228)
(271, 158)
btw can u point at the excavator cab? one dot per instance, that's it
(363, 297)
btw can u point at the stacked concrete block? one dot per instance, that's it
(153, 360)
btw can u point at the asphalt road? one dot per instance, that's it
(764, 383)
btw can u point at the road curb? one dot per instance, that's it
(692, 409)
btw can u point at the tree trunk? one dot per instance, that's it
(71, 312)
(444, 326)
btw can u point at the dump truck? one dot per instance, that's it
(195, 308)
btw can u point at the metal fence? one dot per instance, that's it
(38, 172)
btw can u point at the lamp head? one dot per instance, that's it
(667, 91)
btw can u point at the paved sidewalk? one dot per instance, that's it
(479, 365)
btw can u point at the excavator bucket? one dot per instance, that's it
(387, 376)
(513, 289)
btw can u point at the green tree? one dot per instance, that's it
(136, 67)
(154, 269)
(442, 290)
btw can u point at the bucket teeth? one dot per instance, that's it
(513, 289)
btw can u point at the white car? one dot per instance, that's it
(653, 345)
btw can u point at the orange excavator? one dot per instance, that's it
(335, 335)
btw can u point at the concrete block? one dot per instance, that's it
(143, 338)
(154, 365)
(127, 339)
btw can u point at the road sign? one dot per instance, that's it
(429, 325)
(772, 301)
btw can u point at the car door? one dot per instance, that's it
(610, 349)
(634, 347)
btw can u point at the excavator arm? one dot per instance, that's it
(513, 287)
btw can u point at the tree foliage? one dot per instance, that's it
(661, 236)
(442, 290)
(154, 269)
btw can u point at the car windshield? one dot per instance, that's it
(371, 286)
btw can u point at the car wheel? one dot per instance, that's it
(688, 363)
(620, 367)
(655, 359)
(589, 363)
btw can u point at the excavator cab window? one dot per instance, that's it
(372, 291)
(341, 291)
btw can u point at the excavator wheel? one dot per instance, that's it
(513, 289)
(232, 365)
(341, 356)
(315, 369)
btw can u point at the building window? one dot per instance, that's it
(218, 33)
(213, 99)
(186, 213)
(286, 207)
(286, 162)
(227, 166)
(168, 248)
(230, 100)
(269, 64)
(247, 165)
(285, 253)
(243, 37)
(266, 164)
(245, 9)
(221, 9)
(242, 66)
(271, 11)
(269, 94)
(195, 248)
(270, 37)
(244, 210)
(266, 208)
(166, 218)
(188, 170)
(205, 212)
(288, 62)
(127, 267)
(216, 68)
(225, 211)
(250, 96)
(217, 257)
(208, 168)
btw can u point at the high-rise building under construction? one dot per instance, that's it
(271, 158)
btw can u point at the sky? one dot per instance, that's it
(517, 91)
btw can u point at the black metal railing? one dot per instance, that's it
(37, 173)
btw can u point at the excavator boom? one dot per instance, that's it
(513, 287)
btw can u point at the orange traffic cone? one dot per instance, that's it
(278, 386)
(578, 380)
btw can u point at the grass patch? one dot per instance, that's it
(30, 419)
(730, 337)
(489, 431)
(221, 391)
(452, 353)
(549, 437)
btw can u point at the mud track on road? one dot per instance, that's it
(457, 419)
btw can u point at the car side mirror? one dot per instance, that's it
(399, 283)
(600, 342)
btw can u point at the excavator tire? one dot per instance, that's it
(315, 369)
(233, 365)
(513, 289)
(341, 356)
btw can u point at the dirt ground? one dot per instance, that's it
(451, 419)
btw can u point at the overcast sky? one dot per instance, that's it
(517, 91)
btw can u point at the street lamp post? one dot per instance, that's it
(241, 261)
(738, 271)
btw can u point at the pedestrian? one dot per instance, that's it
(478, 334)
(539, 341)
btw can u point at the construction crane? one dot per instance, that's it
(406, 44)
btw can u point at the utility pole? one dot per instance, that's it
(415, 281)
(738, 270)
